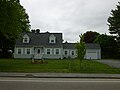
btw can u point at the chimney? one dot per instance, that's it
(33, 31)
(37, 30)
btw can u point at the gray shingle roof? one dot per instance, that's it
(40, 39)
(92, 46)
(87, 45)
(69, 45)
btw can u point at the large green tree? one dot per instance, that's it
(90, 36)
(109, 46)
(114, 22)
(13, 21)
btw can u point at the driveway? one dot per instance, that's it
(113, 63)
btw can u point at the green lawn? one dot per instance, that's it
(63, 66)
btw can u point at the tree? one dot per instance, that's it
(109, 46)
(90, 36)
(80, 46)
(13, 21)
(114, 21)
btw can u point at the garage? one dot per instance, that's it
(92, 55)
(93, 51)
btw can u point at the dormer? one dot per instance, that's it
(26, 38)
(52, 39)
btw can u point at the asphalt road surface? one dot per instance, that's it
(58, 84)
(113, 63)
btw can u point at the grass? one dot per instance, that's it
(59, 66)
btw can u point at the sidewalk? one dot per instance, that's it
(59, 75)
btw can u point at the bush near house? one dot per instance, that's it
(58, 66)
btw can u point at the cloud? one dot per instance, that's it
(71, 17)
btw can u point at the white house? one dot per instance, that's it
(49, 46)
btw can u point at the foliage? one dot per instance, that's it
(90, 36)
(59, 66)
(13, 21)
(80, 46)
(114, 21)
(109, 46)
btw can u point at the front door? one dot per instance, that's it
(38, 53)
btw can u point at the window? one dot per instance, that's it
(52, 41)
(65, 52)
(91, 52)
(73, 53)
(28, 51)
(19, 51)
(57, 51)
(26, 38)
(48, 51)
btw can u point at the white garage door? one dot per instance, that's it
(92, 55)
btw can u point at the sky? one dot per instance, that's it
(70, 17)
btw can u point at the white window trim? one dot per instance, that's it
(73, 52)
(52, 41)
(68, 52)
(24, 40)
(65, 53)
(21, 50)
(26, 50)
(56, 50)
(52, 37)
(26, 37)
(39, 51)
(50, 51)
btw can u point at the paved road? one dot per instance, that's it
(113, 63)
(58, 84)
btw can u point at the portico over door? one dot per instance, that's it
(38, 53)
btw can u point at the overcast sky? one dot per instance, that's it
(70, 17)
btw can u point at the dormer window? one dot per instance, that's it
(52, 39)
(26, 38)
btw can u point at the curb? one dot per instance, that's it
(60, 75)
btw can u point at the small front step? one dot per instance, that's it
(38, 56)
